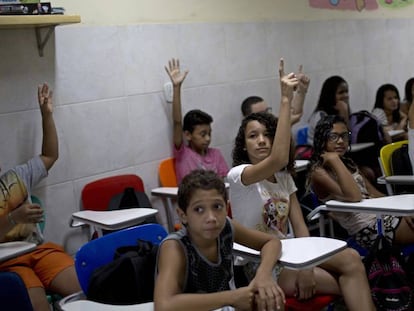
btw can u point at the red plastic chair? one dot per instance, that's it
(316, 303)
(97, 194)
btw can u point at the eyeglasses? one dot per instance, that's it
(334, 137)
(268, 110)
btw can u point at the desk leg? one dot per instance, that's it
(169, 212)
(322, 224)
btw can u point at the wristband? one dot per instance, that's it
(11, 220)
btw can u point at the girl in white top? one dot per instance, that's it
(263, 196)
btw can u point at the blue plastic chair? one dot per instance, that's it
(101, 251)
(13, 293)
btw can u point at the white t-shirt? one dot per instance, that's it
(264, 205)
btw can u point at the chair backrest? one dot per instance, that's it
(385, 155)
(302, 136)
(97, 194)
(13, 292)
(101, 251)
(166, 173)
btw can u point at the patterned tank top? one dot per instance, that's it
(202, 275)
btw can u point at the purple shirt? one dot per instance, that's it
(187, 160)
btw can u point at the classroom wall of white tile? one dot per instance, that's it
(109, 107)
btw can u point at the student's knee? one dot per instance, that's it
(351, 261)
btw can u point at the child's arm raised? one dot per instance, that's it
(177, 78)
(268, 294)
(168, 293)
(279, 154)
(299, 97)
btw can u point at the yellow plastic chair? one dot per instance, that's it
(385, 160)
(166, 173)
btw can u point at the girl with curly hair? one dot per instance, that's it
(333, 175)
(263, 196)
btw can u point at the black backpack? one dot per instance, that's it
(401, 165)
(131, 198)
(391, 289)
(400, 161)
(128, 279)
(366, 128)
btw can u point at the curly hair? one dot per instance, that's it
(322, 131)
(239, 153)
(327, 97)
(199, 179)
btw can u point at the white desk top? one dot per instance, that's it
(299, 253)
(398, 205)
(13, 249)
(393, 133)
(360, 146)
(87, 305)
(114, 220)
(301, 165)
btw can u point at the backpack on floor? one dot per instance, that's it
(391, 289)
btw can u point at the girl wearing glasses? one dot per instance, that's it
(333, 175)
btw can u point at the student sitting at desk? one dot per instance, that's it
(333, 175)
(195, 264)
(196, 128)
(48, 267)
(388, 112)
(263, 197)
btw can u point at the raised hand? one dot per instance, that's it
(45, 98)
(288, 82)
(173, 70)
(303, 79)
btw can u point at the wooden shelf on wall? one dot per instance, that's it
(38, 22)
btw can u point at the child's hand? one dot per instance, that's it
(27, 213)
(328, 157)
(305, 285)
(342, 108)
(173, 70)
(268, 295)
(44, 97)
(243, 298)
(288, 82)
(303, 81)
